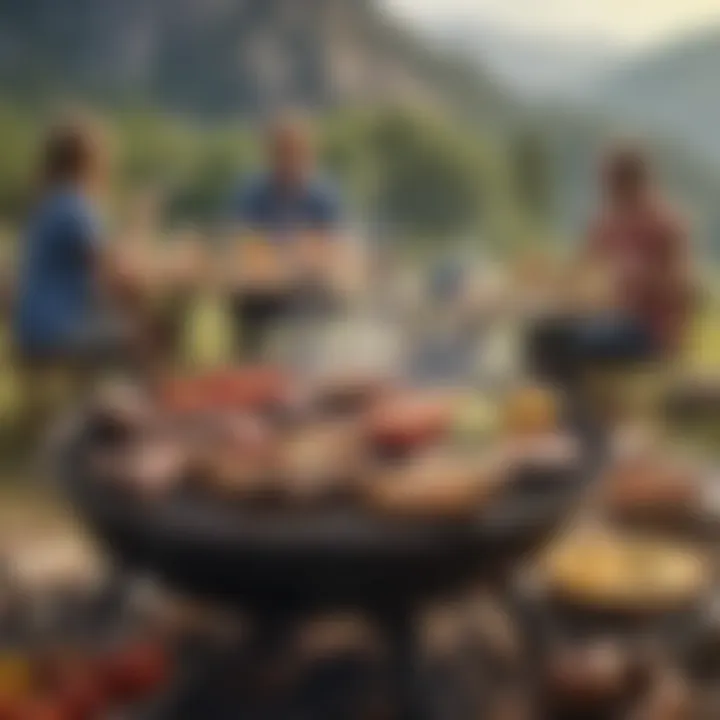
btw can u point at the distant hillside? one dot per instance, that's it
(225, 58)
(674, 90)
(533, 66)
(575, 140)
(215, 57)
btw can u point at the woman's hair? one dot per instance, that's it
(627, 169)
(72, 150)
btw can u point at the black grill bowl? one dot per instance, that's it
(308, 560)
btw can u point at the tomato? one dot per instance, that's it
(42, 709)
(241, 388)
(182, 396)
(410, 422)
(135, 671)
(250, 387)
(83, 696)
(10, 708)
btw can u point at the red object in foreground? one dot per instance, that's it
(134, 672)
(41, 709)
(251, 388)
(83, 697)
(75, 685)
(408, 422)
(10, 708)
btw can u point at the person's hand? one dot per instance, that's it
(336, 262)
(349, 272)
(313, 256)
(259, 264)
(130, 271)
(187, 265)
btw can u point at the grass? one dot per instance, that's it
(703, 350)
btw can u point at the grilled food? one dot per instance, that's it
(411, 421)
(585, 677)
(625, 573)
(235, 460)
(348, 392)
(321, 461)
(531, 410)
(434, 487)
(551, 451)
(235, 475)
(635, 441)
(242, 389)
(670, 698)
(151, 467)
(120, 412)
(661, 489)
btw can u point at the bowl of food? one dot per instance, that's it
(612, 572)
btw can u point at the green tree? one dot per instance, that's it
(532, 178)
(222, 158)
(429, 178)
(18, 139)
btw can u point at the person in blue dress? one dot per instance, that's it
(62, 312)
(285, 204)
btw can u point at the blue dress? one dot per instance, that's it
(57, 294)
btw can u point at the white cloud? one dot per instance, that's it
(632, 21)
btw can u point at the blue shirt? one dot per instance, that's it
(57, 293)
(267, 207)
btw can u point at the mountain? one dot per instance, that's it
(215, 57)
(533, 67)
(674, 91)
(224, 58)
(575, 138)
(581, 94)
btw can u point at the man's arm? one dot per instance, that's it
(86, 237)
(679, 273)
(594, 246)
(345, 253)
(124, 272)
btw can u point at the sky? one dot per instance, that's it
(627, 22)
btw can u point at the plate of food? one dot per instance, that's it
(663, 489)
(614, 572)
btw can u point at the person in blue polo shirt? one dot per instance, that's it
(291, 196)
(288, 202)
(62, 311)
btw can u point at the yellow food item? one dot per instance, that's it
(531, 411)
(476, 421)
(15, 676)
(623, 572)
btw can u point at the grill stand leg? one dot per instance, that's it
(401, 631)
